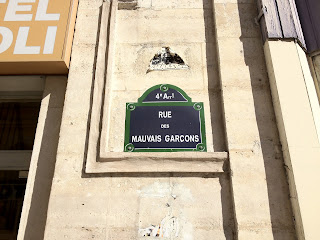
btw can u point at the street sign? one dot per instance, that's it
(164, 120)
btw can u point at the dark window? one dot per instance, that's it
(18, 122)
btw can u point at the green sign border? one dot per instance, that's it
(129, 147)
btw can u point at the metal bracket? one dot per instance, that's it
(262, 12)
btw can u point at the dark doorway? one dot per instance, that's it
(12, 190)
(18, 122)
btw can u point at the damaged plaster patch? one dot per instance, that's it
(161, 211)
(166, 59)
(168, 228)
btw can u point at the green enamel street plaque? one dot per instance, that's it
(165, 120)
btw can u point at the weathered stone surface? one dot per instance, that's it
(152, 26)
(151, 201)
(299, 144)
(252, 137)
(114, 207)
(247, 200)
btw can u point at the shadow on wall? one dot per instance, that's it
(217, 115)
(278, 190)
(37, 214)
(214, 88)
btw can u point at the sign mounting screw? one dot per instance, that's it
(131, 107)
(164, 88)
(197, 106)
(129, 147)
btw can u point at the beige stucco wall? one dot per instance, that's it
(298, 133)
(221, 43)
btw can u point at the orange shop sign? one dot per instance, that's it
(36, 36)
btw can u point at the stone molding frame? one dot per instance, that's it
(98, 160)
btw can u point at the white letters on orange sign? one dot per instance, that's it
(21, 43)
(42, 14)
(14, 7)
(20, 10)
(50, 40)
(7, 38)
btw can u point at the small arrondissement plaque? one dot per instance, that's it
(164, 120)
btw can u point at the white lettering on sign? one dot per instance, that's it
(50, 39)
(182, 138)
(21, 10)
(167, 138)
(146, 138)
(7, 38)
(165, 126)
(21, 43)
(14, 7)
(165, 114)
(42, 14)
(164, 96)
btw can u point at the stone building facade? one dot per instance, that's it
(256, 179)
